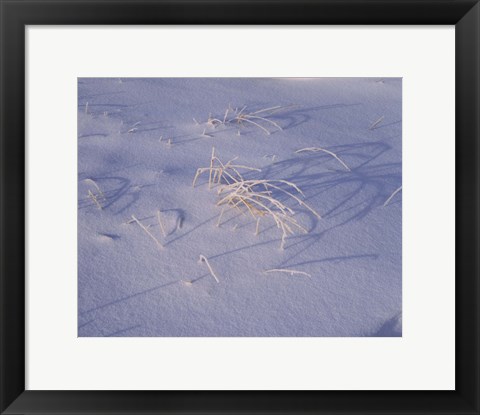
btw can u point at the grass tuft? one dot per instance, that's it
(242, 117)
(256, 196)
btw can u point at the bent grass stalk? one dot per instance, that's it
(204, 259)
(289, 271)
(134, 128)
(316, 149)
(257, 227)
(220, 217)
(161, 223)
(94, 199)
(392, 196)
(212, 159)
(147, 232)
(374, 124)
(204, 134)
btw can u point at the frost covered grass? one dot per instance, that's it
(241, 117)
(260, 197)
(218, 171)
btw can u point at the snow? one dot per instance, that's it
(139, 148)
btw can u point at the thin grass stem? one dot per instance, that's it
(204, 259)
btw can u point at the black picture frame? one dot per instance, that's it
(16, 14)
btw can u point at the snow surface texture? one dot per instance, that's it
(140, 143)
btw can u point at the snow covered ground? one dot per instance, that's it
(140, 143)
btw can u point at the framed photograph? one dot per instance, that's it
(239, 208)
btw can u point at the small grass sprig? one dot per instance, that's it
(97, 198)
